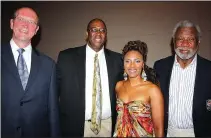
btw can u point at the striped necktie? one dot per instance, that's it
(96, 98)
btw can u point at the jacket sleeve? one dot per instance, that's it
(53, 106)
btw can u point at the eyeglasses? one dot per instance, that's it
(190, 39)
(20, 19)
(96, 30)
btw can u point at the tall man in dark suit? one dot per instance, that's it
(75, 77)
(185, 82)
(29, 101)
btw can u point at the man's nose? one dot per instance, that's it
(25, 25)
(186, 43)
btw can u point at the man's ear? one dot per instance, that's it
(36, 30)
(11, 23)
(86, 36)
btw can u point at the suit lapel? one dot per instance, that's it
(9, 61)
(35, 64)
(109, 63)
(80, 61)
(169, 67)
(197, 94)
(169, 70)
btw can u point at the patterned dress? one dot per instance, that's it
(133, 120)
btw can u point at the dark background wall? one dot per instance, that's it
(63, 24)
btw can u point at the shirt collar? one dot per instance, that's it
(192, 62)
(15, 47)
(90, 51)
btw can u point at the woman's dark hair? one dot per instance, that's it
(141, 47)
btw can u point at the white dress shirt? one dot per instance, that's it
(26, 54)
(181, 95)
(106, 105)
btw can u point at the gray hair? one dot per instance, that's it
(186, 23)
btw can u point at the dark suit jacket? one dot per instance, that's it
(33, 112)
(71, 78)
(202, 92)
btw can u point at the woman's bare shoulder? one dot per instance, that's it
(119, 84)
(152, 88)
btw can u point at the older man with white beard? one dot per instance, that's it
(185, 82)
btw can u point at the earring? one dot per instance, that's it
(125, 76)
(144, 75)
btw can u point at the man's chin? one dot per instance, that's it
(185, 56)
(24, 39)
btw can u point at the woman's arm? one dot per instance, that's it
(157, 105)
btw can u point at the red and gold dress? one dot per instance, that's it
(133, 120)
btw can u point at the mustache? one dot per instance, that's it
(183, 48)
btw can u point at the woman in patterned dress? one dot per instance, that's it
(140, 104)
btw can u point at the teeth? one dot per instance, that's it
(24, 30)
(98, 40)
(132, 71)
(184, 51)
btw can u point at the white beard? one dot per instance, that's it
(187, 55)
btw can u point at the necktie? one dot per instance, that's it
(96, 98)
(22, 68)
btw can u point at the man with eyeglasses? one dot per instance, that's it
(78, 81)
(29, 99)
(185, 82)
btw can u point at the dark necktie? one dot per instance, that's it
(96, 98)
(22, 68)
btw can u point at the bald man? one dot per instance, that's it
(29, 101)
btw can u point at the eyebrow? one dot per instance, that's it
(134, 59)
(98, 27)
